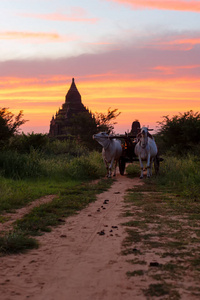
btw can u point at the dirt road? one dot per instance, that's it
(80, 260)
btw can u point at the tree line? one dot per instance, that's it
(177, 135)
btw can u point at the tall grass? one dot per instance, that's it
(69, 147)
(28, 176)
(180, 176)
(25, 177)
(17, 166)
(35, 165)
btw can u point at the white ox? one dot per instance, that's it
(112, 150)
(146, 150)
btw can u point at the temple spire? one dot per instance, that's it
(62, 121)
(73, 93)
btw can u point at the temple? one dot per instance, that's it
(72, 107)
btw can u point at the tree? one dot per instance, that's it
(179, 134)
(105, 122)
(9, 124)
(84, 125)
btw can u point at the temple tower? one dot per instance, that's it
(71, 108)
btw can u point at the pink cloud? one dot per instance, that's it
(179, 5)
(11, 35)
(173, 41)
(170, 70)
(130, 61)
(77, 14)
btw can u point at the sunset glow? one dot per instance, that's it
(180, 5)
(116, 61)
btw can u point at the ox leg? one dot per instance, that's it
(148, 166)
(141, 167)
(115, 168)
(107, 168)
(110, 168)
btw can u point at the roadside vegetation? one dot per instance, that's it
(29, 176)
(32, 166)
(162, 244)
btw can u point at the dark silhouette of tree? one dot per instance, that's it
(84, 125)
(105, 122)
(9, 123)
(179, 134)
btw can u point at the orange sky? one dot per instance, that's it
(141, 57)
(144, 99)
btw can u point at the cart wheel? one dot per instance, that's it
(156, 164)
(122, 164)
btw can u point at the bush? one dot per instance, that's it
(26, 143)
(70, 147)
(90, 167)
(180, 134)
(18, 166)
(181, 175)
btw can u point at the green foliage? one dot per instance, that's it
(179, 134)
(51, 214)
(133, 170)
(26, 143)
(181, 176)
(16, 166)
(86, 167)
(70, 147)
(34, 165)
(44, 145)
(24, 178)
(18, 193)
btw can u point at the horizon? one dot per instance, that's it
(139, 57)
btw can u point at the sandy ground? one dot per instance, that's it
(80, 260)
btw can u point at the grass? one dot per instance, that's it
(135, 273)
(15, 194)
(42, 218)
(15, 242)
(164, 222)
(29, 176)
(162, 289)
(59, 173)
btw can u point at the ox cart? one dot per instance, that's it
(128, 154)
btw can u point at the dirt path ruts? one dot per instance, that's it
(19, 213)
(79, 260)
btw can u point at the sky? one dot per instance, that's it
(141, 57)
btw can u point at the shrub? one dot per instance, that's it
(181, 175)
(18, 166)
(70, 147)
(179, 134)
(90, 167)
(26, 143)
